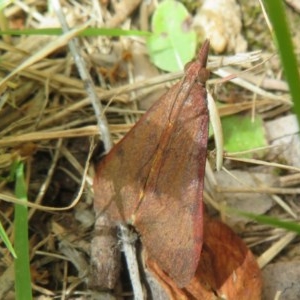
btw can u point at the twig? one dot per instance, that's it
(131, 260)
(87, 80)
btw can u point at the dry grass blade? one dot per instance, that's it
(57, 134)
(265, 163)
(61, 41)
(276, 248)
(251, 87)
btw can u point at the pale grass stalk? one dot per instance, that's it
(263, 163)
(217, 128)
(267, 190)
(251, 87)
(273, 251)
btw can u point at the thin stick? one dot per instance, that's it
(131, 260)
(87, 80)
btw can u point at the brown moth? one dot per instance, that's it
(153, 178)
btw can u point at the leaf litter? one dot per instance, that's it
(47, 121)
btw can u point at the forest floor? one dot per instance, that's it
(48, 124)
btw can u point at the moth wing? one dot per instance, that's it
(122, 174)
(153, 178)
(170, 216)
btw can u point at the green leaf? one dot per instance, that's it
(275, 222)
(22, 263)
(6, 241)
(241, 133)
(276, 13)
(4, 3)
(173, 42)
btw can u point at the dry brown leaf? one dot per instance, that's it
(227, 269)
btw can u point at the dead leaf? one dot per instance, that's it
(227, 269)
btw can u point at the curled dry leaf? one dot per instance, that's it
(227, 269)
(153, 178)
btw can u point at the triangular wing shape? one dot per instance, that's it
(153, 178)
